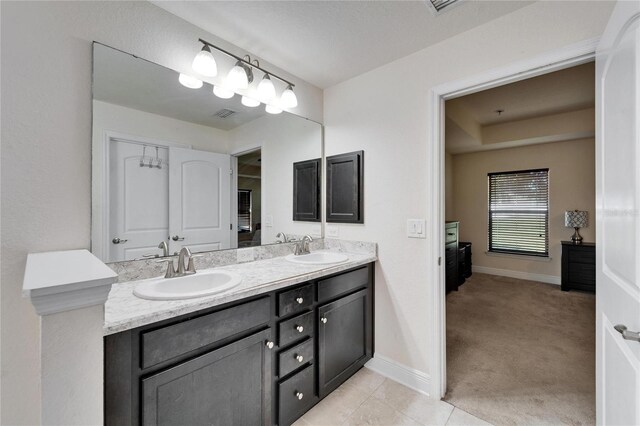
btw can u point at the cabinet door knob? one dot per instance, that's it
(269, 345)
(300, 300)
(299, 395)
(299, 358)
(299, 328)
(323, 320)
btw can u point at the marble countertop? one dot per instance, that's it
(124, 311)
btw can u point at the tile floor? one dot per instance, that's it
(368, 398)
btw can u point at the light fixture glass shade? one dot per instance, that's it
(273, 109)
(190, 82)
(237, 77)
(266, 89)
(288, 98)
(223, 92)
(204, 63)
(250, 102)
(576, 219)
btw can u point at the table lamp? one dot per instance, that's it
(576, 219)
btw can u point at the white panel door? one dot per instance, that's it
(138, 202)
(199, 200)
(618, 218)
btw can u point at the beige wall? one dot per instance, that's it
(449, 212)
(571, 186)
(46, 151)
(397, 183)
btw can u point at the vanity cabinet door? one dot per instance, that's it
(344, 339)
(227, 386)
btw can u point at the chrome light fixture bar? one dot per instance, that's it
(241, 76)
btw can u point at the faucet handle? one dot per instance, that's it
(171, 272)
(191, 268)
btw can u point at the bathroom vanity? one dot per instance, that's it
(265, 357)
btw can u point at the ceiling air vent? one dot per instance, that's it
(437, 6)
(224, 113)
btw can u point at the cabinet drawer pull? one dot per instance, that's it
(299, 328)
(323, 320)
(299, 300)
(269, 345)
(299, 395)
(299, 358)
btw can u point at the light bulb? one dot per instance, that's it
(237, 77)
(250, 102)
(223, 92)
(289, 99)
(266, 89)
(190, 82)
(204, 63)
(273, 109)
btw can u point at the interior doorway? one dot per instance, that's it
(249, 198)
(569, 57)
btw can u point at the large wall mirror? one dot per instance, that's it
(174, 166)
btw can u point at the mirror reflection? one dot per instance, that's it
(175, 166)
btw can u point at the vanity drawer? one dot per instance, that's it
(295, 396)
(295, 329)
(177, 339)
(344, 283)
(295, 300)
(289, 360)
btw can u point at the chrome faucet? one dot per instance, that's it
(302, 246)
(181, 271)
(165, 248)
(283, 236)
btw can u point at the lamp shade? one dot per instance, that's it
(576, 219)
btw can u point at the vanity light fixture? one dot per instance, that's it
(204, 63)
(190, 82)
(250, 102)
(289, 99)
(266, 89)
(223, 92)
(271, 109)
(241, 76)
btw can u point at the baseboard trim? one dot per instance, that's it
(549, 279)
(411, 378)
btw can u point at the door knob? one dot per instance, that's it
(177, 238)
(323, 320)
(626, 334)
(117, 240)
(269, 345)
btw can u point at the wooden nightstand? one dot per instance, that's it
(578, 266)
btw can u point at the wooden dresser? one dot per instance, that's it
(578, 266)
(451, 255)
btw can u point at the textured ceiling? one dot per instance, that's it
(327, 42)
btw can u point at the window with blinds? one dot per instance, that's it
(519, 212)
(244, 210)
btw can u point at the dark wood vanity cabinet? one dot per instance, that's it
(263, 360)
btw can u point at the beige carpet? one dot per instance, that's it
(521, 352)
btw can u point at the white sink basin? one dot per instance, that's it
(188, 287)
(318, 258)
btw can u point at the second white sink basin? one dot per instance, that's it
(318, 258)
(200, 284)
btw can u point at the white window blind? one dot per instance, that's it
(519, 212)
(244, 210)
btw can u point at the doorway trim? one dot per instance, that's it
(234, 186)
(555, 60)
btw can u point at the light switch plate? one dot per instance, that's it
(268, 220)
(333, 231)
(416, 228)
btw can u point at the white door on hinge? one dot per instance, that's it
(138, 202)
(618, 218)
(199, 200)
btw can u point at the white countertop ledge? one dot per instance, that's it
(60, 281)
(124, 311)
